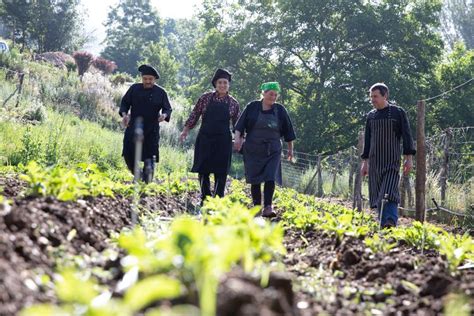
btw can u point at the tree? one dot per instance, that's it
(49, 25)
(457, 22)
(17, 16)
(56, 26)
(326, 54)
(456, 109)
(132, 26)
(181, 38)
(158, 55)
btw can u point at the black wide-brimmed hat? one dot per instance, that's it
(149, 70)
(221, 74)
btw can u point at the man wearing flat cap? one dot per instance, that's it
(213, 148)
(150, 102)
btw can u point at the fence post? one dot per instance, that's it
(335, 171)
(352, 168)
(445, 167)
(420, 162)
(310, 183)
(357, 198)
(20, 89)
(320, 191)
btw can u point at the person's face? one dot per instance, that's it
(148, 81)
(270, 96)
(222, 86)
(377, 99)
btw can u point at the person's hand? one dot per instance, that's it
(162, 118)
(183, 135)
(407, 165)
(364, 170)
(290, 155)
(125, 120)
(238, 144)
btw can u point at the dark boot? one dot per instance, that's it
(389, 224)
(268, 211)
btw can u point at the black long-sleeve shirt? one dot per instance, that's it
(249, 117)
(401, 126)
(146, 103)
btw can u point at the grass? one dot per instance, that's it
(66, 140)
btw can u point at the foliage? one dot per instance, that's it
(457, 108)
(158, 55)
(44, 25)
(106, 66)
(325, 54)
(120, 78)
(378, 244)
(181, 38)
(83, 61)
(68, 184)
(457, 22)
(71, 66)
(132, 25)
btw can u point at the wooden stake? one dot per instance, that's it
(357, 198)
(420, 162)
(445, 167)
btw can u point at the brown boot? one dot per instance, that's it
(268, 211)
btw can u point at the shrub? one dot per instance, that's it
(121, 78)
(106, 66)
(71, 66)
(83, 61)
(36, 112)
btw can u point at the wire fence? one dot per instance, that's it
(450, 160)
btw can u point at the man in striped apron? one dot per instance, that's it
(387, 124)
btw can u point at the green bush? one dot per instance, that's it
(35, 112)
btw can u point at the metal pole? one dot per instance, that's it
(138, 139)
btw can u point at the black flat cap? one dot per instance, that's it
(221, 74)
(148, 70)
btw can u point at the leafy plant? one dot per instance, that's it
(456, 249)
(377, 244)
(83, 61)
(31, 147)
(106, 66)
(68, 184)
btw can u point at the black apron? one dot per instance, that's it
(262, 150)
(151, 133)
(213, 148)
(384, 161)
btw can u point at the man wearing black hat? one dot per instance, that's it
(150, 102)
(213, 148)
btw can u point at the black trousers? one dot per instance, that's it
(268, 190)
(130, 162)
(220, 180)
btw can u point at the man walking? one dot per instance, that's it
(150, 102)
(386, 125)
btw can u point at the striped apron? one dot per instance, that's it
(384, 161)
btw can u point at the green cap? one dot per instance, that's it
(275, 86)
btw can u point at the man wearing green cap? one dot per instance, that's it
(264, 123)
